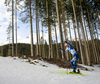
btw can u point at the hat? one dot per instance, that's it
(66, 45)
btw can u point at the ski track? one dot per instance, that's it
(17, 71)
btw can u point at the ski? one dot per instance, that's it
(70, 72)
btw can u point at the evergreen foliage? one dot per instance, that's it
(83, 15)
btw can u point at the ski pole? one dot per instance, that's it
(67, 66)
(65, 60)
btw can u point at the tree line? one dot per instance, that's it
(77, 21)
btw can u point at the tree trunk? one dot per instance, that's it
(39, 39)
(87, 39)
(31, 30)
(36, 18)
(43, 52)
(12, 28)
(56, 43)
(97, 31)
(49, 31)
(97, 44)
(78, 32)
(75, 36)
(98, 18)
(68, 55)
(65, 34)
(92, 38)
(59, 24)
(16, 25)
(63, 19)
(86, 49)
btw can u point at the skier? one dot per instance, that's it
(73, 62)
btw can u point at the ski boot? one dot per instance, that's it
(78, 71)
(74, 70)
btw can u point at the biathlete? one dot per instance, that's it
(73, 62)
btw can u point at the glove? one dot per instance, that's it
(59, 47)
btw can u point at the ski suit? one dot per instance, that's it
(71, 49)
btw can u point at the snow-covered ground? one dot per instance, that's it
(18, 71)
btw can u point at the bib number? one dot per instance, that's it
(72, 51)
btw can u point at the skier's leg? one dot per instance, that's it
(74, 64)
(71, 62)
(78, 71)
(75, 60)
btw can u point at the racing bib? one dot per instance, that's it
(72, 51)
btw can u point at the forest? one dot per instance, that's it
(78, 22)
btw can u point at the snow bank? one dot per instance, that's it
(19, 71)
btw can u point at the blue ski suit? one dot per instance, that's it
(71, 49)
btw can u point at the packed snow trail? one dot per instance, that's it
(18, 71)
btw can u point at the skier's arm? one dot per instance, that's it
(62, 52)
(63, 49)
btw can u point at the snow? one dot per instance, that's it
(18, 71)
